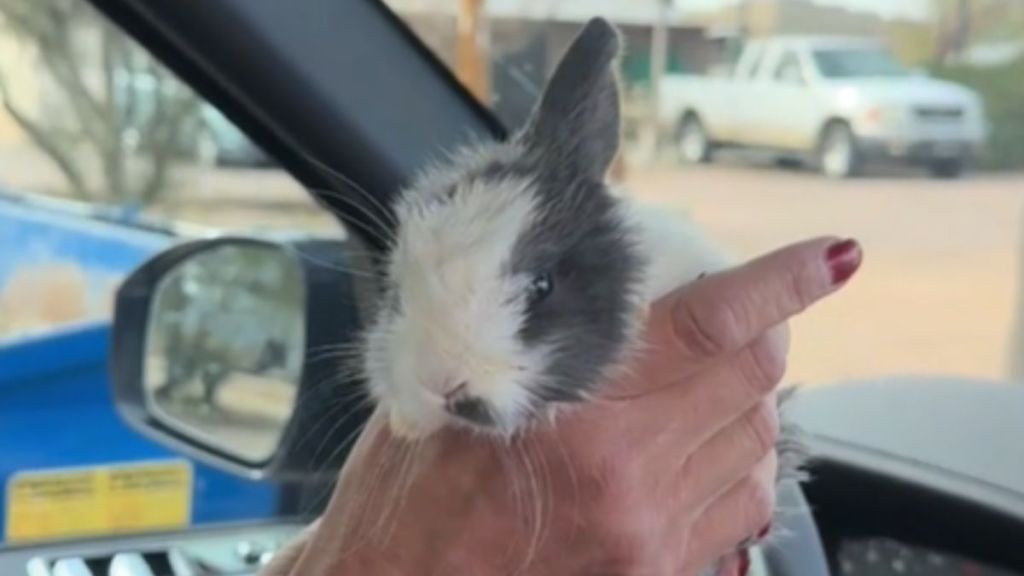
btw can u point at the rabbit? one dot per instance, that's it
(518, 279)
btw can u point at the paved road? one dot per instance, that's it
(936, 294)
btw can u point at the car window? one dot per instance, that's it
(755, 62)
(99, 146)
(789, 70)
(857, 63)
(933, 187)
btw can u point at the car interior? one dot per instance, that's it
(351, 103)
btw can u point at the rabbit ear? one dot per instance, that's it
(577, 122)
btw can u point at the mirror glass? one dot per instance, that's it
(225, 346)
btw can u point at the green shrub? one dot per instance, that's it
(1003, 91)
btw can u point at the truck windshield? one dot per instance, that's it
(857, 63)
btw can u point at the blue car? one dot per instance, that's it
(59, 427)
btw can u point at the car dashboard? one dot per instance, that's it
(917, 475)
(243, 550)
(904, 481)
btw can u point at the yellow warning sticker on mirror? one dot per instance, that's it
(98, 501)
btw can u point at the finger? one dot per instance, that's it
(723, 312)
(684, 416)
(738, 515)
(727, 457)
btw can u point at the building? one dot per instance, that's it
(525, 38)
(772, 17)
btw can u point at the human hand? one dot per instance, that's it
(663, 474)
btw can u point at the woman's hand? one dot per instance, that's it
(662, 475)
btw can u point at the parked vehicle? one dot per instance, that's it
(841, 102)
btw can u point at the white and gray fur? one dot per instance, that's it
(473, 233)
(459, 339)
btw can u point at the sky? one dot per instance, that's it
(886, 8)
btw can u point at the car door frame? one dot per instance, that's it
(732, 120)
(757, 126)
(792, 109)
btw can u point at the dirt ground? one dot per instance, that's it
(937, 293)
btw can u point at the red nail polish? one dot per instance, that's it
(744, 564)
(843, 260)
(764, 532)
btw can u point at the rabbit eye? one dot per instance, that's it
(540, 288)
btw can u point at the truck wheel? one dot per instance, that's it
(692, 142)
(838, 154)
(946, 168)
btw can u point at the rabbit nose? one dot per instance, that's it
(470, 408)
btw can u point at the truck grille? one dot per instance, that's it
(939, 113)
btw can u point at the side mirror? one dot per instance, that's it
(228, 350)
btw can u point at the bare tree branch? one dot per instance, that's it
(100, 113)
(168, 130)
(50, 26)
(63, 158)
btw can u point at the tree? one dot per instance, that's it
(962, 22)
(126, 117)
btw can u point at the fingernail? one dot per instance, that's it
(843, 260)
(744, 565)
(764, 532)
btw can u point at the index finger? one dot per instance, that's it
(724, 312)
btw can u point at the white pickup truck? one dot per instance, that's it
(839, 101)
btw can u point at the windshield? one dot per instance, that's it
(746, 163)
(857, 63)
(100, 144)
